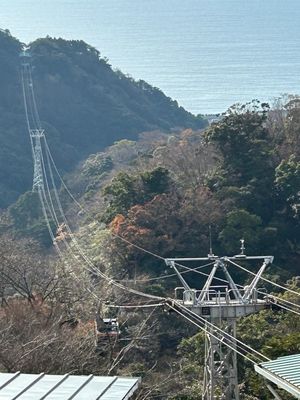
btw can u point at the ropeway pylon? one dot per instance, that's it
(36, 135)
(221, 306)
(33, 122)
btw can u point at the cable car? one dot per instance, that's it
(112, 326)
(108, 327)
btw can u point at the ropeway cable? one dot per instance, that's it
(243, 346)
(94, 268)
(260, 292)
(215, 327)
(36, 121)
(60, 177)
(212, 335)
(35, 109)
(130, 290)
(35, 112)
(70, 232)
(112, 233)
(281, 299)
(132, 306)
(44, 203)
(287, 308)
(52, 209)
(57, 198)
(265, 279)
(278, 301)
(153, 254)
(169, 275)
(120, 237)
(90, 262)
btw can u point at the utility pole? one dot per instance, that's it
(221, 306)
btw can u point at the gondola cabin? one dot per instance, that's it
(108, 327)
(111, 326)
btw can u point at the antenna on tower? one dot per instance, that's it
(210, 242)
(242, 247)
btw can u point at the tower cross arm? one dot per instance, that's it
(171, 263)
(249, 290)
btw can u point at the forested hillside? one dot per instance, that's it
(142, 201)
(84, 105)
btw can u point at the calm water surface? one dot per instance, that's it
(205, 54)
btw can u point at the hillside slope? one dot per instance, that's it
(84, 105)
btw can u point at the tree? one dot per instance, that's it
(240, 224)
(24, 271)
(84, 106)
(121, 194)
(34, 339)
(188, 157)
(242, 139)
(156, 181)
(126, 190)
(28, 219)
(97, 164)
(292, 127)
(287, 183)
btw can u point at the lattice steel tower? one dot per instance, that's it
(36, 135)
(221, 306)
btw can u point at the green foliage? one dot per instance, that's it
(275, 334)
(242, 138)
(97, 164)
(191, 352)
(240, 224)
(83, 103)
(28, 219)
(287, 183)
(252, 177)
(26, 209)
(246, 188)
(282, 345)
(156, 181)
(127, 190)
(121, 194)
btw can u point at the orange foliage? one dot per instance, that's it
(117, 222)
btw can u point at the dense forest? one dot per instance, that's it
(140, 200)
(84, 104)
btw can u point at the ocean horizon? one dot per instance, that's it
(207, 55)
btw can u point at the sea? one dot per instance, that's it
(206, 54)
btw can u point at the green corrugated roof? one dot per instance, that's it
(284, 372)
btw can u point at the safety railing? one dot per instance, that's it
(218, 295)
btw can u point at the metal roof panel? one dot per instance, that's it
(284, 372)
(65, 387)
